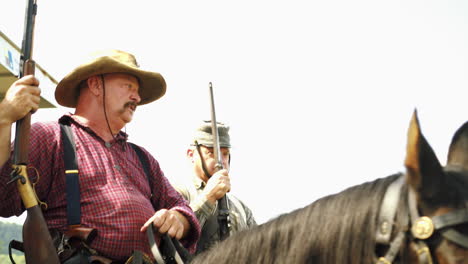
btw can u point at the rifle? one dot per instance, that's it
(37, 242)
(223, 212)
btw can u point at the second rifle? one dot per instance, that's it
(223, 206)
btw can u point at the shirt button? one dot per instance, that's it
(117, 167)
(108, 145)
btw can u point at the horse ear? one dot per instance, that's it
(423, 170)
(457, 155)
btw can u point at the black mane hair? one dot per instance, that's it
(338, 228)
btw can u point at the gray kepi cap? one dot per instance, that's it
(204, 136)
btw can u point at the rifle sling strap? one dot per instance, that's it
(205, 170)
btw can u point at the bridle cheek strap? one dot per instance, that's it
(388, 211)
(387, 221)
(421, 229)
(422, 251)
(393, 250)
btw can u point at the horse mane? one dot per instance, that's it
(338, 228)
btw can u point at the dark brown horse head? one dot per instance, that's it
(441, 194)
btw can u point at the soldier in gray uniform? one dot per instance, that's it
(209, 186)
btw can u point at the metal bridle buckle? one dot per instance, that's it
(422, 228)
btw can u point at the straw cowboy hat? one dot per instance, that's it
(152, 84)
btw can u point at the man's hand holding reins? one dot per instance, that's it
(169, 221)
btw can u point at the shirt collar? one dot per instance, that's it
(199, 184)
(121, 136)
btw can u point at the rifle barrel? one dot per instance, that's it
(214, 132)
(223, 212)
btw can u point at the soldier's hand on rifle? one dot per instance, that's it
(217, 186)
(22, 97)
(169, 221)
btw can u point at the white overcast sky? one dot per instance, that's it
(318, 94)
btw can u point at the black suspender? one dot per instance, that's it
(72, 189)
(144, 163)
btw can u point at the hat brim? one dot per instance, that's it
(152, 84)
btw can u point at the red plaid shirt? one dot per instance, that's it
(115, 194)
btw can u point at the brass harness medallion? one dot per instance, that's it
(422, 228)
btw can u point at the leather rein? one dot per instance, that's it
(418, 228)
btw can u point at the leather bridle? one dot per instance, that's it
(419, 228)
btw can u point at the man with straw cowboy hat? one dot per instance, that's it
(117, 198)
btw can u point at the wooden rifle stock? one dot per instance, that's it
(37, 242)
(223, 206)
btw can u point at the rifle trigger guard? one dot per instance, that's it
(42, 204)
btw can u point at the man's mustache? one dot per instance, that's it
(131, 104)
